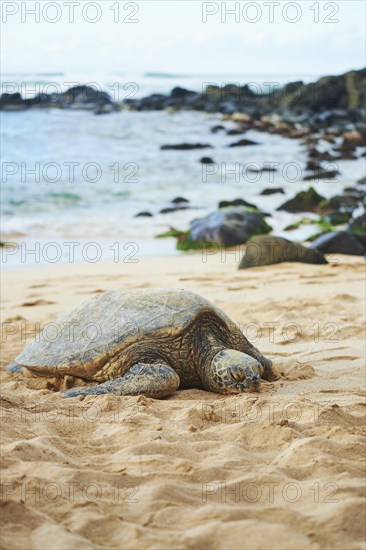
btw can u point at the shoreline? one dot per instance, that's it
(328, 92)
(63, 252)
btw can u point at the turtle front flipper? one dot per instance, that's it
(154, 380)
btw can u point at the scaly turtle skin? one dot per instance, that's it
(148, 342)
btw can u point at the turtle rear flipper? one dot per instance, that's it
(154, 380)
(14, 367)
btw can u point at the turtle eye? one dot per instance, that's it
(236, 375)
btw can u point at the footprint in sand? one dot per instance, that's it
(300, 372)
(37, 303)
(43, 285)
(13, 319)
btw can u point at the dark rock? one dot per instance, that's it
(269, 169)
(207, 160)
(170, 209)
(304, 201)
(154, 102)
(46, 101)
(310, 139)
(12, 102)
(268, 250)
(340, 242)
(217, 128)
(178, 203)
(237, 202)
(358, 225)
(337, 217)
(76, 97)
(86, 95)
(343, 202)
(347, 156)
(227, 99)
(185, 146)
(361, 238)
(181, 92)
(345, 148)
(272, 191)
(330, 138)
(237, 131)
(243, 143)
(179, 200)
(144, 214)
(356, 193)
(313, 165)
(343, 92)
(228, 226)
(353, 139)
(333, 104)
(11, 99)
(322, 175)
(315, 154)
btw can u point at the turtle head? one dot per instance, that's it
(234, 372)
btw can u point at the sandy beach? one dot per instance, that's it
(281, 469)
(167, 148)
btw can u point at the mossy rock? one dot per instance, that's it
(184, 240)
(186, 243)
(225, 227)
(358, 225)
(322, 223)
(171, 233)
(337, 217)
(347, 202)
(304, 201)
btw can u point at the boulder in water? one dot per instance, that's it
(358, 224)
(304, 201)
(272, 191)
(185, 146)
(243, 143)
(144, 214)
(237, 202)
(228, 226)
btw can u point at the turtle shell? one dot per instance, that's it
(91, 335)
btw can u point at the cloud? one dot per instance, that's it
(171, 37)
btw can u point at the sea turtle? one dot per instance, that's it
(147, 342)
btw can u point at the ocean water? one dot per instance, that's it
(71, 176)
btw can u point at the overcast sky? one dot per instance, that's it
(172, 37)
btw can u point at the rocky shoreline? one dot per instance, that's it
(330, 99)
(328, 117)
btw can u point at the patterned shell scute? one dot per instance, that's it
(96, 330)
